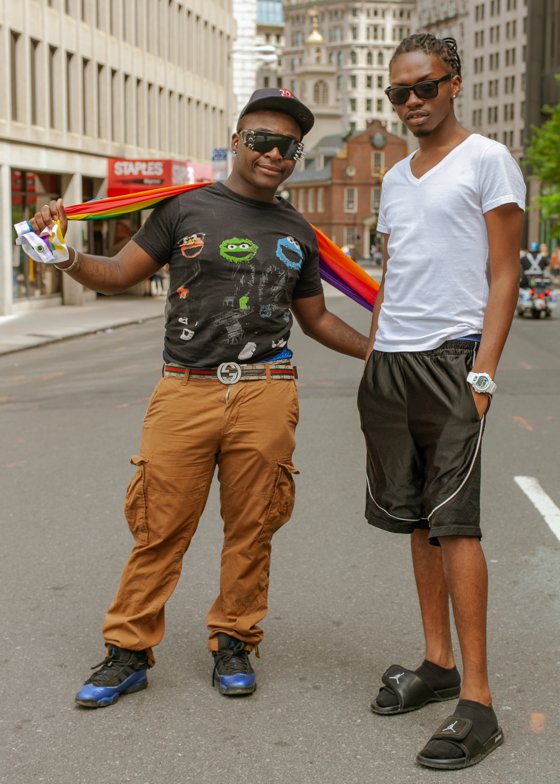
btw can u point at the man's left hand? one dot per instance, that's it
(481, 401)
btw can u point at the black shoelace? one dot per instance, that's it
(107, 670)
(231, 661)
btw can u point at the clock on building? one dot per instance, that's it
(378, 140)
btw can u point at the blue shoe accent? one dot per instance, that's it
(121, 672)
(240, 683)
(232, 669)
(92, 696)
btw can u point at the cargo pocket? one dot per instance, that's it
(282, 502)
(135, 504)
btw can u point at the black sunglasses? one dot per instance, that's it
(423, 90)
(263, 141)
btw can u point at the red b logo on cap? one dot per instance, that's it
(286, 93)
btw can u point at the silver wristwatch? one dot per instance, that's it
(481, 382)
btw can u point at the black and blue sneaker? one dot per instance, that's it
(122, 672)
(232, 669)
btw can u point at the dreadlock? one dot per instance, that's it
(444, 48)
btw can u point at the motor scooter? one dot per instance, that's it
(537, 297)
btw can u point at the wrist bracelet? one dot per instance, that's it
(75, 261)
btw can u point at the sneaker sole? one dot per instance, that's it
(235, 691)
(104, 702)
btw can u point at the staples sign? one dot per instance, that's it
(127, 176)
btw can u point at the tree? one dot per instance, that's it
(543, 156)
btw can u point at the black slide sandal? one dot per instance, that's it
(411, 691)
(460, 732)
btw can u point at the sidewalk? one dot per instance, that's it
(48, 325)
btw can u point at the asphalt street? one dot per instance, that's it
(342, 603)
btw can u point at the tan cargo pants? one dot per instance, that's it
(192, 425)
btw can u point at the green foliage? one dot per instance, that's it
(543, 156)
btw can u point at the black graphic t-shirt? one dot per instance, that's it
(235, 267)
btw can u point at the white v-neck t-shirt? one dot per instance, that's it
(436, 283)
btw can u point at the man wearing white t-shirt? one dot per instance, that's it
(453, 215)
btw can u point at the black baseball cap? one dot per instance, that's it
(281, 100)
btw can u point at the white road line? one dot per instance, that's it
(543, 502)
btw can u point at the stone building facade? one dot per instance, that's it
(89, 80)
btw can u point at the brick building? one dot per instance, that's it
(339, 187)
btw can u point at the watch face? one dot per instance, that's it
(482, 383)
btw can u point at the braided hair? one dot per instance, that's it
(444, 48)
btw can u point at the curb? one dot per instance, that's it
(59, 339)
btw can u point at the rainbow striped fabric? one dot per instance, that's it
(335, 266)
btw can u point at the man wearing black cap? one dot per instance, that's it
(241, 261)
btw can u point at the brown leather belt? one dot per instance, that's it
(231, 372)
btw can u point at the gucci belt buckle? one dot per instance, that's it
(229, 373)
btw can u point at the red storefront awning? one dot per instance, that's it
(127, 176)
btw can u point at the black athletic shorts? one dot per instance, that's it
(423, 436)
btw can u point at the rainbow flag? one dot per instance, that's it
(335, 266)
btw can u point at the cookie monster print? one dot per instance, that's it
(238, 250)
(289, 251)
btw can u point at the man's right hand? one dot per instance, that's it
(47, 215)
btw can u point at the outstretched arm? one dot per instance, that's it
(100, 273)
(320, 324)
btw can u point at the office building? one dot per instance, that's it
(87, 81)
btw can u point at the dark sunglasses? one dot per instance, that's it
(262, 141)
(423, 90)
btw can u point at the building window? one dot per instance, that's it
(70, 91)
(377, 162)
(375, 199)
(320, 199)
(15, 50)
(350, 237)
(52, 120)
(311, 200)
(101, 102)
(350, 200)
(321, 93)
(87, 98)
(34, 79)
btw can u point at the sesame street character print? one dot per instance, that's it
(238, 250)
(192, 245)
(289, 251)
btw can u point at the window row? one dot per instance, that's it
(164, 28)
(77, 95)
(493, 86)
(345, 58)
(492, 116)
(312, 199)
(495, 8)
(301, 19)
(510, 57)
